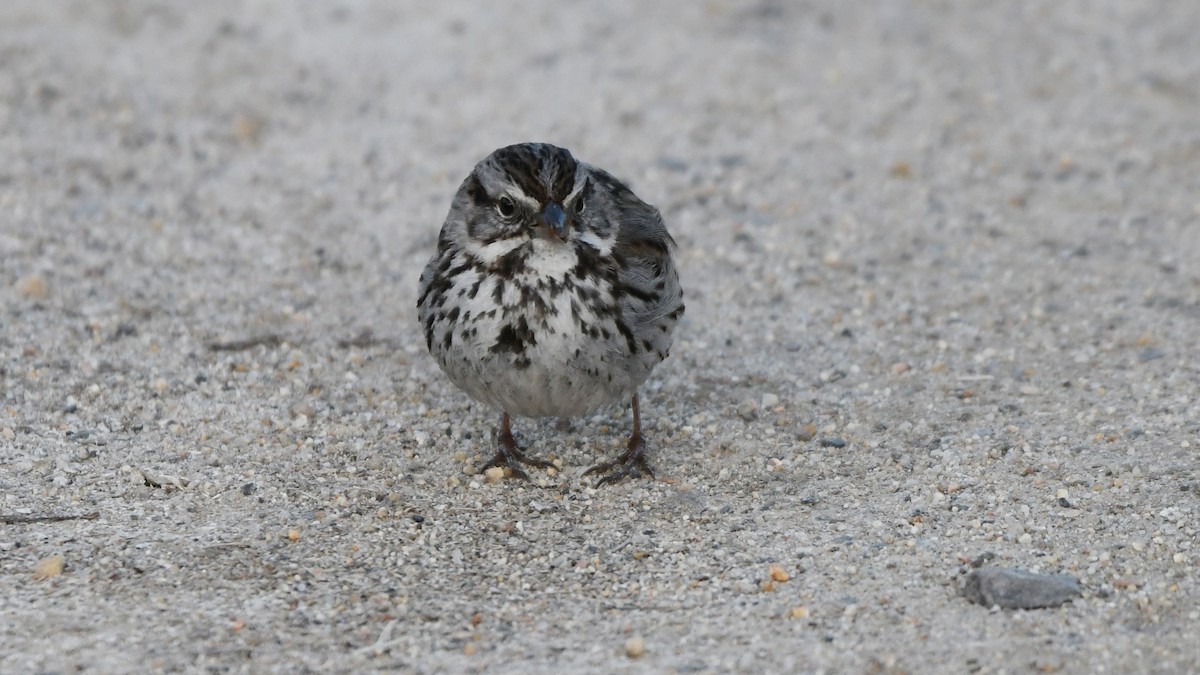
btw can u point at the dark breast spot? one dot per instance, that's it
(514, 338)
(589, 263)
(510, 264)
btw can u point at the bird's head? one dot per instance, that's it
(529, 191)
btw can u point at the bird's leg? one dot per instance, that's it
(509, 454)
(632, 462)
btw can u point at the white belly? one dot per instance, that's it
(563, 355)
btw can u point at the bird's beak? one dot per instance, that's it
(555, 219)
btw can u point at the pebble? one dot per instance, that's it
(1018, 589)
(48, 567)
(635, 647)
(33, 287)
(833, 442)
(1151, 354)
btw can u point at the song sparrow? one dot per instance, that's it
(553, 292)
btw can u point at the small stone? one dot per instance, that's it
(493, 474)
(1151, 354)
(248, 127)
(33, 287)
(799, 612)
(48, 567)
(249, 489)
(748, 410)
(1018, 589)
(635, 647)
(769, 401)
(293, 535)
(807, 433)
(779, 574)
(833, 442)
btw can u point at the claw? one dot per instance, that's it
(632, 462)
(509, 455)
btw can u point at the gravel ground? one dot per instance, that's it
(941, 267)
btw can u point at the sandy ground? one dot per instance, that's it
(942, 268)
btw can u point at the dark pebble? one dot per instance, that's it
(1062, 501)
(418, 518)
(249, 489)
(70, 408)
(833, 443)
(983, 559)
(672, 163)
(124, 330)
(1018, 589)
(1151, 353)
(809, 501)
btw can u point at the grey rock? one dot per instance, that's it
(1018, 589)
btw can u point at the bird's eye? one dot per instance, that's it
(580, 205)
(506, 207)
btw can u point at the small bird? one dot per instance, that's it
(553, 292)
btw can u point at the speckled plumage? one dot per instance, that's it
(553, 292)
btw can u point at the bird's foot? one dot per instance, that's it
(631, 463)
(510, 456)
